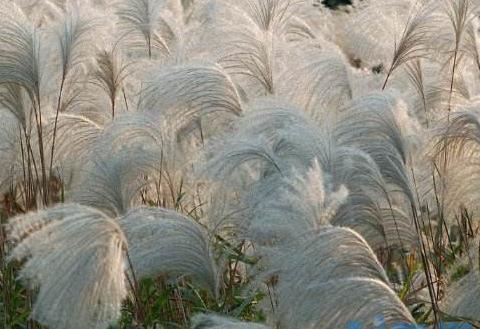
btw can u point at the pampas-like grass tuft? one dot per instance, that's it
(75, 256)
(164, 242)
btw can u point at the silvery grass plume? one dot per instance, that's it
(22, 63)
(371, 42)
(72, 49)
(41, 13)
(457, 16)
(379, 302)
(75, 136)
(269, 15)
(72, 40)
(456, 156)
(13, 100)
(224, 19)
(462, 294)
(281, 209)
(8, 150)
(131, 129)
(275, 133)
(252, 40)
(319, 274)
(66, 42)
(305, 24)
(112, 181)
(472, 42)
(310, 258)
(417, 78)
(455, 19)
(21, 60)
(252, 60)
(192, 94)
(370, 123)
(164, 242)
(125, 151)
(74, 255)
(431, 82)
(136, 158)
(210, 321)
(414, 41)
(109, 75)
(319, 84)
(377, 124)
(44, 13)
(148, 25)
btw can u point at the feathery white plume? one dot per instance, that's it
(164, 242)
(75, 256)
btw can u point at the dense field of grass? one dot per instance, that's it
(210, 164)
